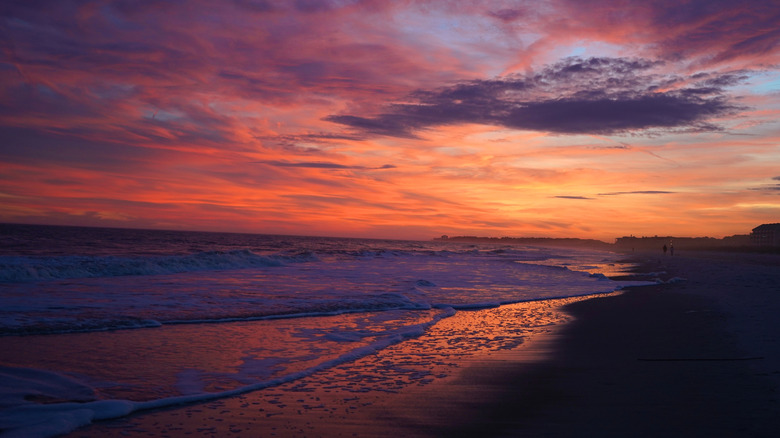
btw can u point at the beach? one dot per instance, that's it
(697, 355)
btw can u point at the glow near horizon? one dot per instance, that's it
(268, 117)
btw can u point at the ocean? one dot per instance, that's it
(100, 323)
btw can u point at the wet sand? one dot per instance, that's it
(699, 357)
(694, 358)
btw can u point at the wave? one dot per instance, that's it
(21, 269)
(26, 419)
(59, 323)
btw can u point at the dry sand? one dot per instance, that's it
(699, 357)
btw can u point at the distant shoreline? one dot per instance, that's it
(627, 244)
(737, 243)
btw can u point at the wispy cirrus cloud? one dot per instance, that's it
(638, 192)
(323, 165)
(700, 32)
(572, 197)
(767, 188)
(770, 188)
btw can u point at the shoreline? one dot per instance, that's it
(695, 358)
(692, 358)
(627, 364)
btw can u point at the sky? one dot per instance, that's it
(392, 119)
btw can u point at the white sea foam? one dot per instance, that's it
(36, 268)
(319, 287)
(23, 384)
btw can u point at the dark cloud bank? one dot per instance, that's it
(573, 96)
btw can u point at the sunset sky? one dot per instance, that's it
(402, 119)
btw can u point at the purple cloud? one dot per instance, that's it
(574, 96)
(771, 188)
(766, 188)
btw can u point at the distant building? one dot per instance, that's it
(766, 235)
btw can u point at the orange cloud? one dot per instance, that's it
(392, 119)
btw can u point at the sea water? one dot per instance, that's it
(101, 323)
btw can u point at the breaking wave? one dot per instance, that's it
(20, 269)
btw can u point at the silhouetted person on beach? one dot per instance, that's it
(664, 249)
(671, 249)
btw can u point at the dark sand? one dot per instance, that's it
(665, 360)
(692, 358)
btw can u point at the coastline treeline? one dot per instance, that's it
(626, 243)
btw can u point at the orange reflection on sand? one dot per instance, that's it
(501, 329)
(336, 395)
